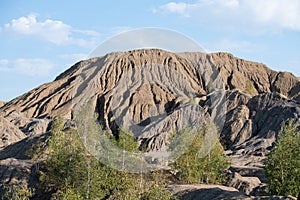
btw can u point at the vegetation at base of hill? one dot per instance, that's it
(17, 192)
(203, 161)
(66, 170)
(282, 165)
(125, 140)
(70, 172)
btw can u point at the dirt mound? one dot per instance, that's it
(155, 92)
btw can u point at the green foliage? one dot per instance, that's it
(17, 192)
(180, 142)
(128, 187)
(72, 173)
(157, 192)
(155, 186)
(125, 141)
(69, 194)
(68, 171)
(36, 152)
(196, 166)
(282, 165)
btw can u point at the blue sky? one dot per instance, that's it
(40, 39)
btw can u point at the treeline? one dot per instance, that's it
(66, 170)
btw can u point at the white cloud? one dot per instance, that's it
(281, 13)
(53, 31)
(186, 9)
(272, 14)
(180, 8)
(29, 67)
(3, 62)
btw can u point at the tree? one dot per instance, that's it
(282, 165)
(70, 171)
(125, 140)
(17, 192)
(156, 192)
(193, 167)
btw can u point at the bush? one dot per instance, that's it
(282, 165)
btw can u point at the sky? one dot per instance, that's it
(41, 39)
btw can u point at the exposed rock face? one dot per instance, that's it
(252, 125)
(101, 76)
(153, 90)
(254, 78)
(15, 126)
(244, 184)
(9, 133)
(15, 164)
(250, 131)
(155, 136)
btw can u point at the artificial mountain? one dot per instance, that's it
(156, 90)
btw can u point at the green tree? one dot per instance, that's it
(17, 192)
(198, 166)
(157, 192)
(125, 140)
(70, 171)
(155, 184)
(282, 165)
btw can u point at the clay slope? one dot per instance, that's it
(191, 75)
(104, 73)
(155, 92)
(9, 133)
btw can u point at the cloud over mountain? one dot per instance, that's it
(270, 14)
(54, 31)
